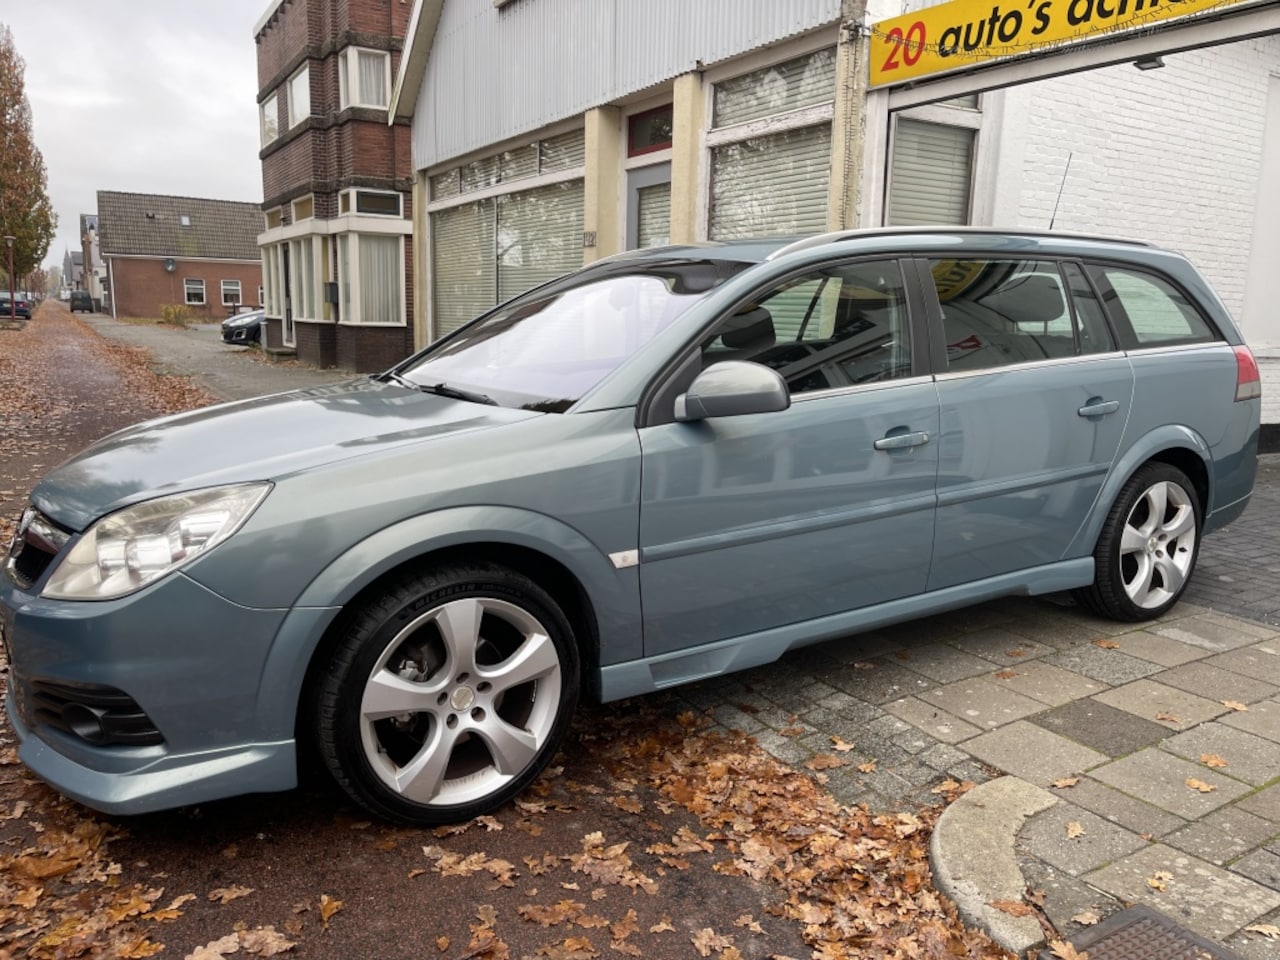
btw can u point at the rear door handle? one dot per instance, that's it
(1097, 407)
(900, 441)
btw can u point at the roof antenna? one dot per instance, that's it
(1053, 219)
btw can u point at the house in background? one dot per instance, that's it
(73, 270)
(202, 254)
(95, 271)
(336, 222)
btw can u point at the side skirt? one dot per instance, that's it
(728, 656)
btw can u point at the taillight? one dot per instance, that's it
(1248, 380)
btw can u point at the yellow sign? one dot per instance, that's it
(961, 33)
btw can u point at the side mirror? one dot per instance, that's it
(732, 388)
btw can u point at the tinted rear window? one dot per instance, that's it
(1149, 311)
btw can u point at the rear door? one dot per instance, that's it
(1033, 396)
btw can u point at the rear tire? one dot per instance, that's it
(448, 694)
(1148, 547)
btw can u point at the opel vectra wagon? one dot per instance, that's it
(669, 465)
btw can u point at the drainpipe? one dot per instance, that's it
(111, 272)
(849, 123)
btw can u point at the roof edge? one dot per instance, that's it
(413, 64)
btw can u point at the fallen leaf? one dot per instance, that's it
(1086, 919)
(1159, 880)
(1212, 760)
(1006, 674)
(792, 731)
(1074, 830)
(442, 943)
(706, 940)
(1167, 717)
(825, 761)
(1268, 930)
(1235, 705)
(868, 767)
(1106, 644)
(1065, 951)
(225, 895)
(946, 786)
(1016, 652)
(1200, 785)
(216, 949)
(1065, 782)
(1014, 908)
(840, 745)
(265, 942)
(328, 907)
(663, 926)
(746, 920)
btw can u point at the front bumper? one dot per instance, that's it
(191, 661)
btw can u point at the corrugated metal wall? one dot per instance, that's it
(495, 73)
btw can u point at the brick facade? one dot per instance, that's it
(333, 150)
(141, 286)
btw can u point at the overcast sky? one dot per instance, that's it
(149, 96)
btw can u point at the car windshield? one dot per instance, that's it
(545, 350)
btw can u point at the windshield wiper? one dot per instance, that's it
(439, 389)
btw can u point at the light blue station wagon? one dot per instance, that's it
(670, 465)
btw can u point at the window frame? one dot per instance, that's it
(349, 78)
(939, 362)
(234, 284)
(269, 112)
(187, 290)
(348, 277)
(300, 73)
(1117, 316)
(656, 406)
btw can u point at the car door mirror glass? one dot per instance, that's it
(732, 388)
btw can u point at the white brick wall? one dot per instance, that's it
(1171, 155)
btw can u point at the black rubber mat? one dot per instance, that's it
(1140, 933)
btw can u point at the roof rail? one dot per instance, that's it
(837, 235)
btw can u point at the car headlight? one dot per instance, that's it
(138, 545)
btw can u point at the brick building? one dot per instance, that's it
(337, 182)
(197, 253)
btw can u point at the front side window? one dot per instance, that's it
(230, 293)
(545, 350)
(194, 290)
(838, 327)
(1149, 311)
(997, 313)
(299, 96)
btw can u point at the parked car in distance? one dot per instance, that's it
(243, 327)
(19, 306)
(670, 465)
(80, 300)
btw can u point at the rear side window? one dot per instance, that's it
(996, 313)
(1147, 310)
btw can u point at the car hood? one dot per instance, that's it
(261, 439)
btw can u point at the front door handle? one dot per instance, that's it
(900, 441)
(1097, 407)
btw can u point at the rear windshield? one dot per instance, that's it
(546, 349)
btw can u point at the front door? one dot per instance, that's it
(764, 520)
(649, 206)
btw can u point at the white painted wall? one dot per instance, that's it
(1173, 155)
(1262, 285)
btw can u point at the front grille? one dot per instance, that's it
(36, 543)
(96, 714)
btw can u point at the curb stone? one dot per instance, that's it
(972, 854)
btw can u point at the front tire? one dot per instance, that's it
(447, 694)
(1148, 547)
